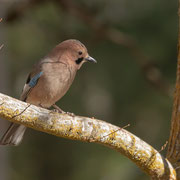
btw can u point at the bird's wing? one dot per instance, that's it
(31, 82)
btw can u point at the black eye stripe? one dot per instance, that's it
(79, 60)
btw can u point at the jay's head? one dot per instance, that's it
(73, 52)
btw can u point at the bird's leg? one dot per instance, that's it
(58, 109)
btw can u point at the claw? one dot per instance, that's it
(59, 110)
(70, 114)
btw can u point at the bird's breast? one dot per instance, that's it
(53, 85)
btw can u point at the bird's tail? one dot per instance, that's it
(13, 135)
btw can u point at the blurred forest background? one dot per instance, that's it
(134, 42)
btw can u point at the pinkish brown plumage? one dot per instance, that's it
(49, 80)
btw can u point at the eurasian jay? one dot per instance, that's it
(48, 82)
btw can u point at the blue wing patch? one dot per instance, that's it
(35, 79)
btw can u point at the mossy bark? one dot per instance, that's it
(88, 130)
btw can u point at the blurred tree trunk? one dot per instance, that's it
(173, 153)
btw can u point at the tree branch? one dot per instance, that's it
(173, 153)
(88, 130)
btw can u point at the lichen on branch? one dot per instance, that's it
(88, 130)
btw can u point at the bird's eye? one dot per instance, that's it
(80, 52)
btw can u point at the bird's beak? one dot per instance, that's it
(90, 59)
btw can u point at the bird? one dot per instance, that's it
(49, 81)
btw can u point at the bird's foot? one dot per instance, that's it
(70, 114)
(59, 110)
(56, 110)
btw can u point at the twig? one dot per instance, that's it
(22, 111)
(1, 46)
(154, 154)
(163, 147)
(93, 140)
(116, 130)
